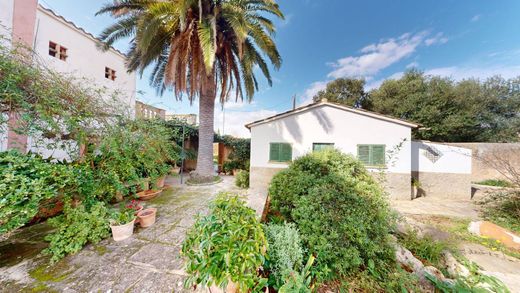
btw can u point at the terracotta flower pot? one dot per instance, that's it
(147, 217)
(138, 209)
(122, 232)
(230, 288)
(159, 183)
(148, 194)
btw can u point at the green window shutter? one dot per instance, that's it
(364, 153)
(378, 155)
(274, 152)
(322, 146)
(285, 152)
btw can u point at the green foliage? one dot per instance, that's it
(242, 179)
(346, 91)
(392, 279)
(468, 110)
(285, 252)
(496, 182)
(241, 150)
(229, 166)
(299, 282)
(25, 181)
(503, 208)
(122, 216)
(427, 249)
(475, 282)
(76, 227)
(227, 245)
(327, 195)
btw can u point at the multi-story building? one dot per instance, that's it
(63, 46)
(188, 118)
(146, 111)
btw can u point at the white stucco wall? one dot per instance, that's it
(452, 159)
(6, 19)
(326, 124)
(84, 59)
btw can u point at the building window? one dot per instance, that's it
(318, 146)
(280, 152)
(371, 154)
(110, 73)
(57, 51)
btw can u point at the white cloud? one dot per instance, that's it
(439, 38)
(235, 121)
(464, 72)
(378, 56)
(311, 91)
(414, 64)
(476, 18)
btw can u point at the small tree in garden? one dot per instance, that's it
(228, 245)
(339, 209)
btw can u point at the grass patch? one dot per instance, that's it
(503, 209)
(426, 249)
(458, 228)
(495, 182)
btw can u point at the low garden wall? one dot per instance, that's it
(485, 155)
(441, 170)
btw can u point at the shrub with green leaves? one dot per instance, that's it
(242, 179)
(425, 248)
(285, 252)
(229, 244)
(76, 227)
(340, 210)
(25, 181)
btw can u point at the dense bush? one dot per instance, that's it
(76, 227)
(25, 181)
(229, 244)
(339, 209)
(242, 179)
(285, 252)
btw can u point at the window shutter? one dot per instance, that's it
(286, 152)
(378, 155)
(274, 152)
(364, 154)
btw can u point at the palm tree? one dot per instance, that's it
(198, 48)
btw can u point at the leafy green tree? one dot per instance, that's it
(346, 91)
(197, 48)
(469, 110)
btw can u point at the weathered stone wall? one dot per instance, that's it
(443, 185)
(486, 154)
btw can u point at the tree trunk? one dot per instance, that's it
(204, 170)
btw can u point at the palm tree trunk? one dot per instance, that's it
(204, 168)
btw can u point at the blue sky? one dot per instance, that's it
(325, 39)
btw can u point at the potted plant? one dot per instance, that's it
(147, 217)
(163, 170)
(416, 188)
(122, 223)
(135, 205)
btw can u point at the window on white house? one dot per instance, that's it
(371, 154)
(280, 152)
(318, 146)
(57, 51)
(110, 73)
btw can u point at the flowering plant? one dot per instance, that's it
(135, 205)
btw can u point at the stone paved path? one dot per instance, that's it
(147, 262)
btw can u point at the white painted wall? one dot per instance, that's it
(455, 160)
(6, 19)
(84, 60)
(327, 124)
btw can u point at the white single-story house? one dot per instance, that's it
(384, 144)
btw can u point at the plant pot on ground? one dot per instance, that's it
(122, 224)
(147, 217)
(148, 194)
(159, 183)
